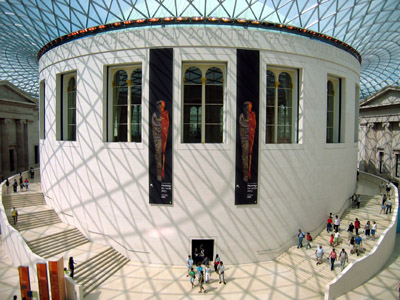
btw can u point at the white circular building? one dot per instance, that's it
(162, 135)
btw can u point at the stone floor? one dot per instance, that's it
(268, 280)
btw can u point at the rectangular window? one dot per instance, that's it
(66, 107)
(203, 103)
(12, 159)
(380, 161)
(282, 106)
(124, 104)
(397, 165)
(334, 110)
(357, 113)
(37, 155)
(42, 116)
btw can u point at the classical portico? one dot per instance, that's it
(19, 130)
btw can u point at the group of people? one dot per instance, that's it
(23, 184)
(385, 191)
(195, 269)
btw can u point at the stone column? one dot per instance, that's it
(371, 148)
(27, 145)
(20, 145)
(5, 147)
(387, 139)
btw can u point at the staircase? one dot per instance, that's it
(49, 238)
(302, 262)
(98, 269)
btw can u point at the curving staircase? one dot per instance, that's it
(49, 238)
(302, 262)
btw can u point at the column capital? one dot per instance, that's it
(21, 122)
(5, 121)
(370, 125)
(386, 125)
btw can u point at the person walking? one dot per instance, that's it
(389, 206)
(192, 276)
(8, 186)
(381, 187)
(329, 224)
(358, 201)
(367, 229)
(358, 244)
(343, 259)
(383, 208)
(32, 172)
(26, 182)
(300, 236)
(336, 224)
(332, 256)
(336, 239)
(331, 240)
(199, 270)
(350, 230)
(319, 253)
(189, 262)
(373, 231)
(352, 245)
(216, 263)
(21, 182)
(357, 225)
(71, 266)
(208, 273)
(221, 272)
(309, 240)
(14, 214)
(201, 282)
(15, 185)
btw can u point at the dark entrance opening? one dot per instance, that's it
(207, 245)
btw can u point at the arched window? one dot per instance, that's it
(66, 107)
(333, 110)
(125, 104)
(282, 99)
(203, 102)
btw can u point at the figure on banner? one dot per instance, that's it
(248, 123)
(160, 125)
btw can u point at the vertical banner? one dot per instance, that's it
(160, 133)
(24, 282)
(56, 271)
(247, 124)
(43, 281)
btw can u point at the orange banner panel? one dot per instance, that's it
(24, 282)
(54, 284)
(43, 281)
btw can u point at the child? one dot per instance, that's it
(309, 239)
(208, 273)
(331, 240)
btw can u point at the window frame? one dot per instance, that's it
(42, 109)
(295, 107)
(204, 66)
(380, 161)
(337, 126)
(111, 70)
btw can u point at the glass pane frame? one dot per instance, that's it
(206, 94)
(123, 109)
(281, 105)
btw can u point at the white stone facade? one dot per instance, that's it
(379, 137)
(102, 187)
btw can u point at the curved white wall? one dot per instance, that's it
(102, 188)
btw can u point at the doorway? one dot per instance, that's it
(206, 244)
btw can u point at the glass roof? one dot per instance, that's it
(372, 27)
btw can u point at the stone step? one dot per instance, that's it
(51, 245)
(98, 269)
(23, 200)
(35, 219)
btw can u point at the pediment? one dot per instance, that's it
(385, 97)
(9, 92)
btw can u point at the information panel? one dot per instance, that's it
(247, 109)
(24, 282)
(160, 135)
(43, 282)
